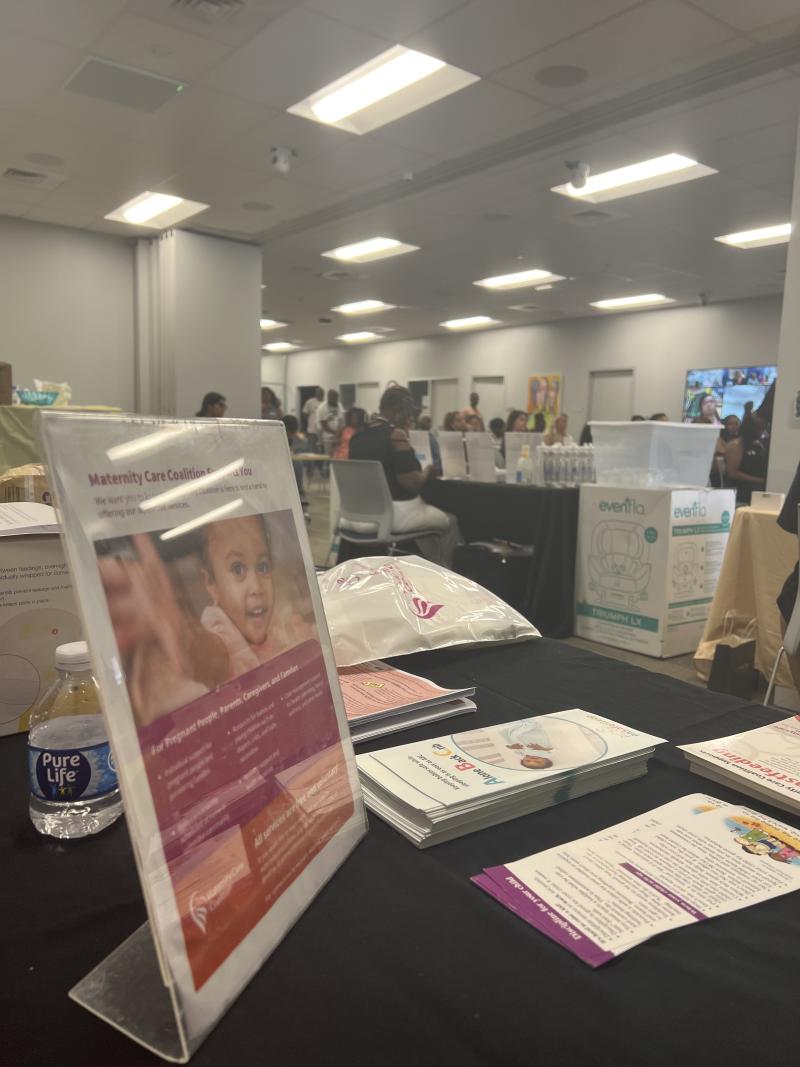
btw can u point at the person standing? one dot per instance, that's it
(746, 459)
(787, 597)
(355, 420)
(472, 411)
(558, 435)
(309, 413)
(385, 439)
(213, 406)
(270, 405)
(330, 420)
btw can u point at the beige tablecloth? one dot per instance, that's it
(757, 561)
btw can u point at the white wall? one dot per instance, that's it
(785, 450)
(66, 310)
(660, 346)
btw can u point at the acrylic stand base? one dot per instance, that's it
(127, 991)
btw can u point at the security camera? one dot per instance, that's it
(282, 156)
(578, 172)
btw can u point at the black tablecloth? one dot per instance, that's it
(529, 515)
(400, 960)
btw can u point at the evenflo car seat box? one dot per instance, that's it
(648, 564)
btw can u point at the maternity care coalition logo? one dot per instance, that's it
(423, 608)
(203, 904)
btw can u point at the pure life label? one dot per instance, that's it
(67, 774)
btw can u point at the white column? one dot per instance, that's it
(784, 454)
(198, 301)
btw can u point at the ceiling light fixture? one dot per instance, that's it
(358, 337)
(362, 307)
(157, 210)
(760, 238)
(394, 83)
(471, 322)
(519, 279)
(280, 346)
(372, 248)
(637, 178)
(619, 303)
(271, 324)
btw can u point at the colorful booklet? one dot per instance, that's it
(435, 790)
(189, 554)
(380, 699)
(763, 763)
(688, 860)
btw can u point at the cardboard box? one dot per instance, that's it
(25, 483)
(37, 613)
(648, 564)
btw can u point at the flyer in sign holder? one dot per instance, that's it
(188, 550)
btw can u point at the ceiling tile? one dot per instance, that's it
(294, 56)
(76, 23)
(236, 30)
(478, 115)
(202, 120)
(62, 216)
(165, 50)
(629, 46)
(749, 14)
(484, 35)
(361, 163)
(385, 18)
(10, 206)
(29, 68)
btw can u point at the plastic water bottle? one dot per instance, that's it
(72, 776)
(524, 473)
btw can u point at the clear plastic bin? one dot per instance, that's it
(653, 454)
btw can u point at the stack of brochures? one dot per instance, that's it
(432, 791)
(380, 699)
(763, 763)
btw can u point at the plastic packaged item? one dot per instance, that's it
(382, 606)
(72, 776)
(524, 472)
(63, 391)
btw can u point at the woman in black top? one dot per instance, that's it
(746, 459)
(385, 439)
(788, 595)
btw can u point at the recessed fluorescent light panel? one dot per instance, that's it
(637, 178)
(471, 322)
(358, 337)
(363, 307)
(271, 324)
(391, 85)
(766, 235)
(622, 303)
(156, 210)
(373, 248)
(520, 279)
(280, 346)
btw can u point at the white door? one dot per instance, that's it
(492, 392)
(610, 395)
(368, 395)
(444, 398)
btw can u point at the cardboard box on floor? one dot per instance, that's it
(37, 613)
(648, 564)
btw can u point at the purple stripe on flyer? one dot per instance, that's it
(662, 889)
(501, 884)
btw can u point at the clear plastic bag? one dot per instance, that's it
(736, 629)
(382, 606)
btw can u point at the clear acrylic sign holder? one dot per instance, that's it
(189, 554)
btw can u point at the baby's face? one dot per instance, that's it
(240, 577)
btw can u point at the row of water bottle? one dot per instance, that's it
(557, 465)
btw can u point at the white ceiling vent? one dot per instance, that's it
(117, 84)
(32, 179)
(214, 11)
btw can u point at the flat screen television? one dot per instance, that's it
(731, 388)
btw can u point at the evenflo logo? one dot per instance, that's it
(628, 506)
(696, 511)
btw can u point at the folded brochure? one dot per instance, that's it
(438, 789)
(380, 699)
(688, 860)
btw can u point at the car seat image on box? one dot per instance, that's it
(686, 569)
(617, 567)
